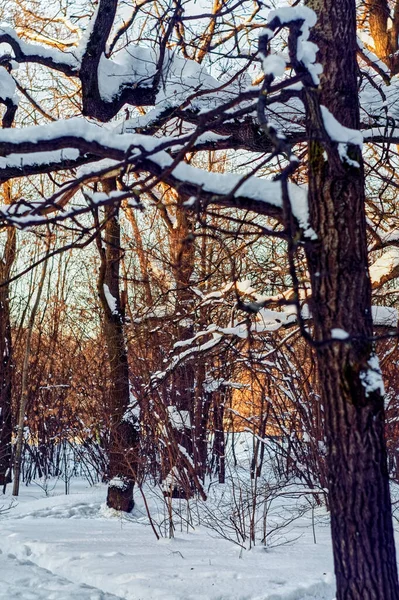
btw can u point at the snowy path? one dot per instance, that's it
(21, 579)
(66, 548)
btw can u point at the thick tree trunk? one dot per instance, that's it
(124, 436)
(6, 366)
(362, 531)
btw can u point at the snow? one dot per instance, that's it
(391, 236)
(103, 197)
(22, 579)
(171, 480)
(184, 452)
(37, 158)
(337, 132)
(8, 87)
(384, 266)
(134, 65)
(179, 419)
(118, 483)
(339, 334)
(137, 65)
(306, 51)
(265, 31)
(181, 78)
(274, 65)
(287, 14)
(57, 57)
(254, 188)
(111, 301)
(381, 132)
(272, 320)
(68, 548)
(342, 136)
(244, 286)
(373, 57)
(85, 36)
(385, 316)
(371, 378)
(261, 190)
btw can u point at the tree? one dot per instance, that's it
(123, 447)
(6, 360)
(351, 381)
(6, 263)
(25, 380)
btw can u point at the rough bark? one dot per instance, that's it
(361, 522)
(124, 438)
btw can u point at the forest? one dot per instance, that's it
(199, 265)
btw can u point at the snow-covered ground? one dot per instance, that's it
(70, 548)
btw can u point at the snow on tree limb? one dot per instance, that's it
(145, 153)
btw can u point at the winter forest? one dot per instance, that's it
(199, 287)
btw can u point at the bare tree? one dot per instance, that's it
(123, 448)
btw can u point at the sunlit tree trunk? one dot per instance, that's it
(384, 30)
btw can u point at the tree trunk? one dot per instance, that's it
(384, 30)
(124, 438)
(6, 359)
(361, 522)
(185, 377)
(218, 443)
(25, 380)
